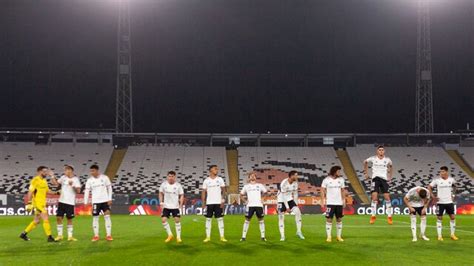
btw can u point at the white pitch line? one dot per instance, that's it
(395, 226)
(377, 226)
(433, 226)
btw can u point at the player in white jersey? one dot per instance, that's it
(70, 186)
(334, 199)
(101, 189)
(251, 195)
(381, 176)
(213, 196)
(417, 200)
(287, 199)
(445, 195)
(171, 197)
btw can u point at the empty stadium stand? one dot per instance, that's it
(272, 165)
(19, 160)
(413, 166)
(460, 161)
(144, 168)
(468, 154)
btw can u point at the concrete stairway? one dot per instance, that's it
(350, 173)
(454, 154)
(232, 161)
(114, 163)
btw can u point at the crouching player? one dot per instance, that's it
(101, 188)
(70, 185)
(171, 200)
(251, 194)
(333, 198)
(446, 191)
(36, 198)
(417, 200)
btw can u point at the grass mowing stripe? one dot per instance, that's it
(140, 240)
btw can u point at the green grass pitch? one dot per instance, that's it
(140, 240)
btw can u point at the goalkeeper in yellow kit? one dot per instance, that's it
(37, 202)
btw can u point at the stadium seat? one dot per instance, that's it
(468, 154)
(144, 168)
(19, 160)
(413, 166)
(273, 164)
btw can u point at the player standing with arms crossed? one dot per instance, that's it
(101, 188)
(445, 196)
(171, 197)
(417, 200)
(251, 194)
(70, 185)
(382, 170)
(36, 198)
(334, 199)
(287, 202)
(213, 195)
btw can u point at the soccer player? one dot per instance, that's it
(171, 200)
(36, 198)
(101, 189)
(213, 195)
(446, 191)
(381, 175)
(287, 202)
(70, 186)
(417, 200)
(334, 199)
(251, 194)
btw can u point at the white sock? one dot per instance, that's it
(413, 225)
(262, 228)
(69, 230)
(373, 206)
(339, 229)
(281, 224)
(220, 224)
(389, 210)
(108, 225)
(178, 230)
(245, 229)
(95, 225)
(208, 227)
(167, 228)
(328, 229)
(423, 225)
(59, 227)
(439, 227)
(452, 226)
(297, 213)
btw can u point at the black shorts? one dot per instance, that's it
(98, 207)
(168, 212)
(379, 185)
(417, 210)
(214, 209)
(65, 209)
(250, 211)
(336, 210)
(282, 208)
(441, 208)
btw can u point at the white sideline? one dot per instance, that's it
(395, 226)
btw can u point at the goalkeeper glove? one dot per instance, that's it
(29, 207)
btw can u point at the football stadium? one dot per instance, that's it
(236, 132)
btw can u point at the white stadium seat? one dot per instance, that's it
(413, 166)
(144, 168)
(19, 160)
